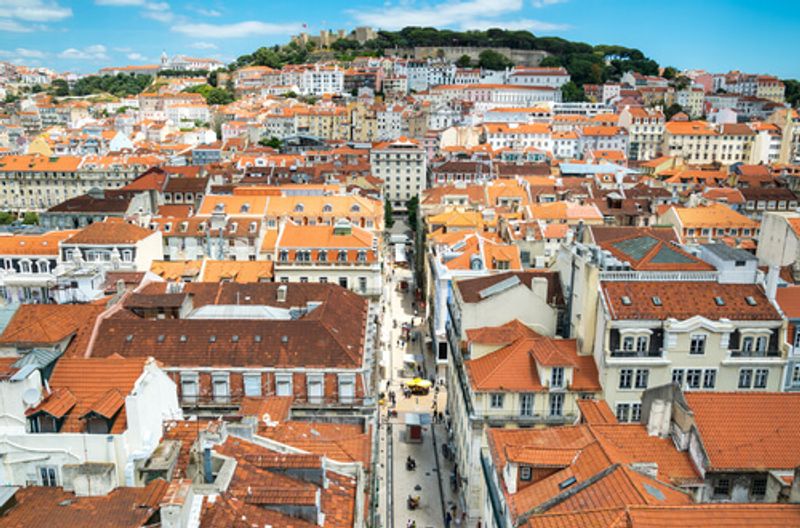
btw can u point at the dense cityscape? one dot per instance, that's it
(412, 278)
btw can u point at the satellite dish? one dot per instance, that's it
(31, 396)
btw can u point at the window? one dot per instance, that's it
(698, 344)
(283, 255)
(722, 487)
(189, 389)
(796, 374)
(745, 378)
(636, 412)
(760, 379)
(283, 385)
(747, 344)
(220, 387)
(557, 404)
(625, 378)
(342, 256)
(761, 344)
(362, 284)
(252, 384)
(47, 476)
(623, 412)
(526, 405)
(641, 344)
(709, 379)
(642, 376)
(525, 473)
(628, 343)
(347, 388)
(496, 401)
(343, 282)
(557, 377)
(677, 377)
(758, 488)
(322, 256)
(315, 388)
(693, 377)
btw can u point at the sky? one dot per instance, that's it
(757, 36)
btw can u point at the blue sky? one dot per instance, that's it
(84, 35)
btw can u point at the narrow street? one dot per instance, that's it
(397, 482)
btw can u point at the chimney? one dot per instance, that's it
(660, 418)
(772, 282)
(120, 287)
(177, 504)
(281, 294)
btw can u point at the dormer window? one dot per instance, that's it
(322, 256)
(245, 208)
(283, 255)
(657, 300)
(342, 257)
(327, 208)
(298, 208)
(362, 256)
(720, 301)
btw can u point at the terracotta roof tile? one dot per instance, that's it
(683, 300)
(48, 324)
(44, 244)
(596, 412)
(109, 232)
(748, 430)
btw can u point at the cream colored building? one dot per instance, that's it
(403, 167)
(702, 335)
(646, 129)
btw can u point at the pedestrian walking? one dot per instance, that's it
(448, 518)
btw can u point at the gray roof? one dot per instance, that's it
(725, 252)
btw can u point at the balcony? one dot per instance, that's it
(756, 353)
(659, 353)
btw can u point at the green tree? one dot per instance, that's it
(572, 92)
(792, 92)
(671, 110)
(492, 60)
(6, 218)
(412, 208)
(30, 218)
(212, 95)
(670, 72)
(59, 88)
(388, 215)
(464, 61)
(272, 142)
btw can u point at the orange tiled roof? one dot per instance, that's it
(44, 244)
(48, 324)
(596, 412)
(746, 431)
(112, 231)
(89, 381)
(683, 300)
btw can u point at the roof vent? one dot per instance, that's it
(567, 483)
(161, 338)
(235, 339)
(212, 339)
(626, 300)
(750, 300)
(184, 339)
(657, 300)
(129, 338)
(284, 339)
(257, 338)
(720, 301)
(281, 294)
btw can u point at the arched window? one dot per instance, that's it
(298, 208)
(327, 208)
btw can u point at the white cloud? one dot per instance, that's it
(204, 45)
(159, 11)
(516, 24)
(544, 3)
(136, 56)
(463, 14)
(30, 53)
(96, 52)
(123, 50)
(34, 10)
(13, 26)
(205, 12)
(249, 28)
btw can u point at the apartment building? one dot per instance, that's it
(403, 167)
(712, 223)
(645, 131)
(342, 253)
(699, 335)
(518, 136)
